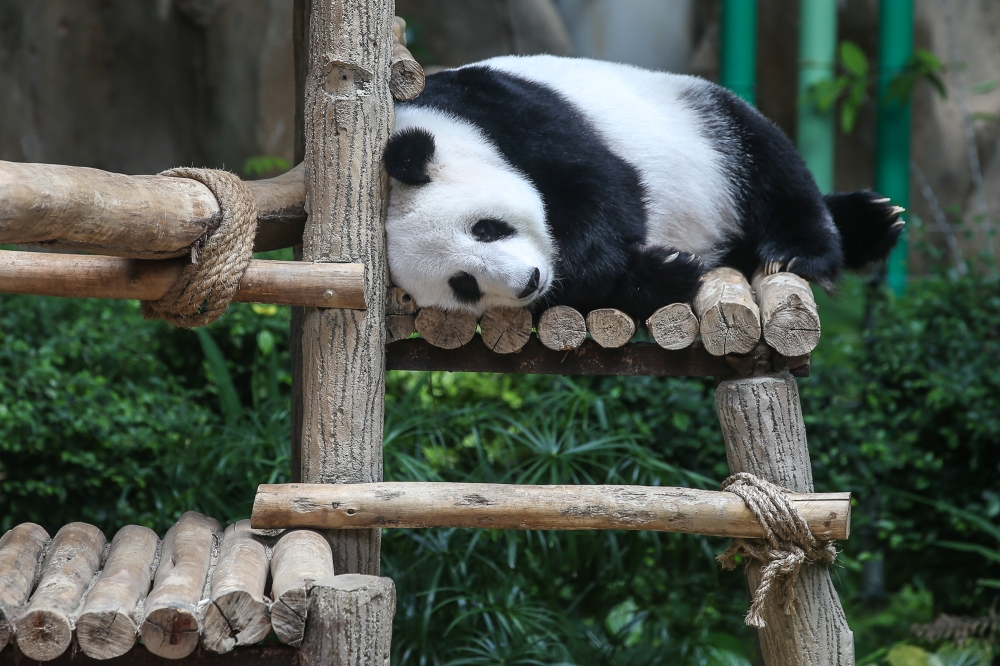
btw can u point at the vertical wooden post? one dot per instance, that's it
(762, 424)
(349, 622)
(347, 119)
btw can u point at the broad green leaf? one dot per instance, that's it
(853, 59)
(908, 655)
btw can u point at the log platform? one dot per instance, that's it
(733, 330)
(201, 591)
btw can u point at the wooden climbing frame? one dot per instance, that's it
(205, 586)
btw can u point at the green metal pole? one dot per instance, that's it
(738, 57)
(817, 53)
(892, 150)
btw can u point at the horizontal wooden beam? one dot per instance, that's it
(520, 507)
(92, 276)
(144, 217)
(639, 358)
(251, 655)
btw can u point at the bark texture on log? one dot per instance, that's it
(350, 622)
(20, 562)
(730, 319)
(447, 330)
(300, 558)
(407, 75)
(237, 614)
(561, 328)
(172, 618)
(610, 327)
(45, 629)
(532, 507)
(673, 326)
(94, 276)
(143, 217)
(765, 435)
(506, 330)
(108, 626)
(788, 313)
(348, 117)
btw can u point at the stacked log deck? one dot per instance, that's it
(732, 329)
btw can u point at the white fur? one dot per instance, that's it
(428, 226)
(646, 121)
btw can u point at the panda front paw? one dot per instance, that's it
(656, 276)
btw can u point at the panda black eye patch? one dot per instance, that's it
(488, 231)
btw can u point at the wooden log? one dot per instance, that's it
(400, 315)
(673, 326)
(638, 358)
(143, 217)
(765, 435)
(172, 619)
(407, 75)
(561, 328)
(20, 562)
(506, 330)
(788, 313)
(348, 115)
(93, 276)
(350, 622)
(447, 330)
(610, 327)
(237, 614)
(398, 302)
(526, 507)
(399, 327)
(45, 629)
(730, 319)
(108, 625)
(300, 558)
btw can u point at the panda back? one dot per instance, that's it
(659, 124)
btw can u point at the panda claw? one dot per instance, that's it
(883, 200)
(896, 210)
(791, 263)
(898, 224)
(671, 257)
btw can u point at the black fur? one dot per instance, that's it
(407, 155)
(465, 287)
(782, 213)
(594, 200)
(866, 223)
(656, 276)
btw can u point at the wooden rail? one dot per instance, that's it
(532, 507)
(321, 285)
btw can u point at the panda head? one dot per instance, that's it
(465, 230)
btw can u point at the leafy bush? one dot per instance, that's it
(110, 419)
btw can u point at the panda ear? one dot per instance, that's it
(407, 155)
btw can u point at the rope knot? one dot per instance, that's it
(207, 285)
(787, 544)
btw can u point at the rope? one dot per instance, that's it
(207, 285)
(787, 544)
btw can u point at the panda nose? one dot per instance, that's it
(532, 285)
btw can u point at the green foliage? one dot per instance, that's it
(111, 419)
(851, 86)
(265, 166)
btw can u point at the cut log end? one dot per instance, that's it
(448, 330)
(729, 316)
(673, 326)
(106, 634)
(562, 328)
(399, 327)
(788, 312)
(610, 328)
(44, 635)
(171, 633)
(506, 330)
(236, 618)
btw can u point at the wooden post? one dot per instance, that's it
(350, 622)
(762, 424)
(347, 119)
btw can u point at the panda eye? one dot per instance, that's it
(487, 231)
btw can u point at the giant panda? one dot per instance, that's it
(541, 180)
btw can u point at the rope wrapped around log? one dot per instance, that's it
(787, 544)
(206, 287)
